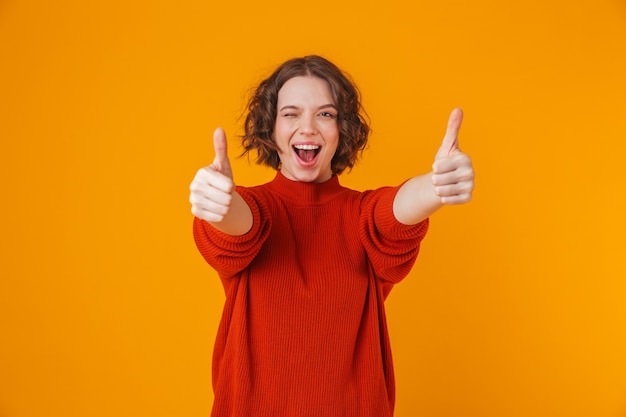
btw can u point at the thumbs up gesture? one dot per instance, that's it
(212, 188)
(453, 174)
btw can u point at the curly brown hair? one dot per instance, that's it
(351, 118)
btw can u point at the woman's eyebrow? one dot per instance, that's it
(293, 107)
(290, 106)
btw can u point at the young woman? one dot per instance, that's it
(306, 263)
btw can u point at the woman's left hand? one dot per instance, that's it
(453, 173)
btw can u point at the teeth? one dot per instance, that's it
(306, 147)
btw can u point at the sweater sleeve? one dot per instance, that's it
(392, 247)
(227, 254)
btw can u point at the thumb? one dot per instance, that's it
(221, 162)
(451, 139)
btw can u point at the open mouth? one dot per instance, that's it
(307, 153)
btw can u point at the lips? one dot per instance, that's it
(307, 152)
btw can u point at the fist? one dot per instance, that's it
(211, 191)
(453, 173)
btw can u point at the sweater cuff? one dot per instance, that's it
(386, 221)
(234, 243)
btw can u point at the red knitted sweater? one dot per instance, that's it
(303, 332)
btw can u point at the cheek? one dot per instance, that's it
(284, 127)
(331, 133)
(329, 128)
(281, 134)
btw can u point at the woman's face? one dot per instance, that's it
(306, 130)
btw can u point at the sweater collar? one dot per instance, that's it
(306, 193)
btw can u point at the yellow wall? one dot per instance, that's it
(516, 306)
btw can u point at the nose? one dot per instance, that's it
(308, 126)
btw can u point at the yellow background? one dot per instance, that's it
(516, 306)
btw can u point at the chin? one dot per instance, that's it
(309, 178)
(306, 176)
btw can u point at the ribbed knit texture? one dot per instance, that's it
(303, 332)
